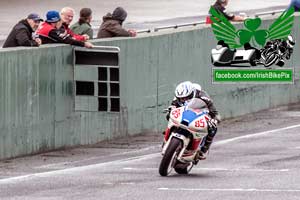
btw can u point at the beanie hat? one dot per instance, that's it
(119, 14)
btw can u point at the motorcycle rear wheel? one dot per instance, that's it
(181, 171)
(170, 157)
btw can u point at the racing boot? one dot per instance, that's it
(280, 63)
(204, 149)
(212, 131)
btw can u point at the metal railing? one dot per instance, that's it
(144, 31)
(268, 13)
(178, 25)
(175, 26)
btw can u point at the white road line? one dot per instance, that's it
(229, 189)
(128, 183)
(76, 169)
(256, 134)
(63, 165)
(214, 169)
(124, 183)
(107, 183)
(128, 160)
(243, 169)
(154, 147)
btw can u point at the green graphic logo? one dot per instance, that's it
(225, 31)
(253, 75)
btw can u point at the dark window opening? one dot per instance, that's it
(102, 74)
(102, 89)
(85, 88)
(114, 89)
(102, 104)
(96, 58)
(115, 105)
(114, 74)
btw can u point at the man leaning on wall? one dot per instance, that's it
(67, 15)
(50, 31)
(83, 26)
(220, 6)
(22, 33)
(112, 25)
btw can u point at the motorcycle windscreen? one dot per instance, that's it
(196, 104)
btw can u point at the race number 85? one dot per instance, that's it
(176, 113)
(200, 123)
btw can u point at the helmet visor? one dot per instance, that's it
(184, 99)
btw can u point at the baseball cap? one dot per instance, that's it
(52, 16)
(34, 17)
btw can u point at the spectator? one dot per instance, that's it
(50, 32)
(83, 26)
(22, 32)
(220, 7)
(296, 4)
(112, 25)
(67, 15)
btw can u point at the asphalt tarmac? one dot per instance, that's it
(256, 156)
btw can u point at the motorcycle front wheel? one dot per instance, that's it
(169, 159)
(271, 59)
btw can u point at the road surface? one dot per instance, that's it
(254, 157)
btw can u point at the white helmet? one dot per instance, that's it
(184, 91)
(197, 86)
(290, 41)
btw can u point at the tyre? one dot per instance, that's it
(183, 168)
(253, 63)
(271, 59)
(170, 156)
(181, 171)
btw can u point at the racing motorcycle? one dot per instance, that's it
(187, 129)
(276, 51)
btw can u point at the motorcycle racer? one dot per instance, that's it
(184, 92)
(277, 51)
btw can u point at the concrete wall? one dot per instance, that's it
(37, 102)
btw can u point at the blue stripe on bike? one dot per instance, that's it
(190, 116)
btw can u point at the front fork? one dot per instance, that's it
(167, 133)
(185, 142)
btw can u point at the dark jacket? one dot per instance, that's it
(201, 94)
(296, 4)
(82, 28)
(71, 33)
(21, 35)
(49, 34)
(218, 7)
(111, 27)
